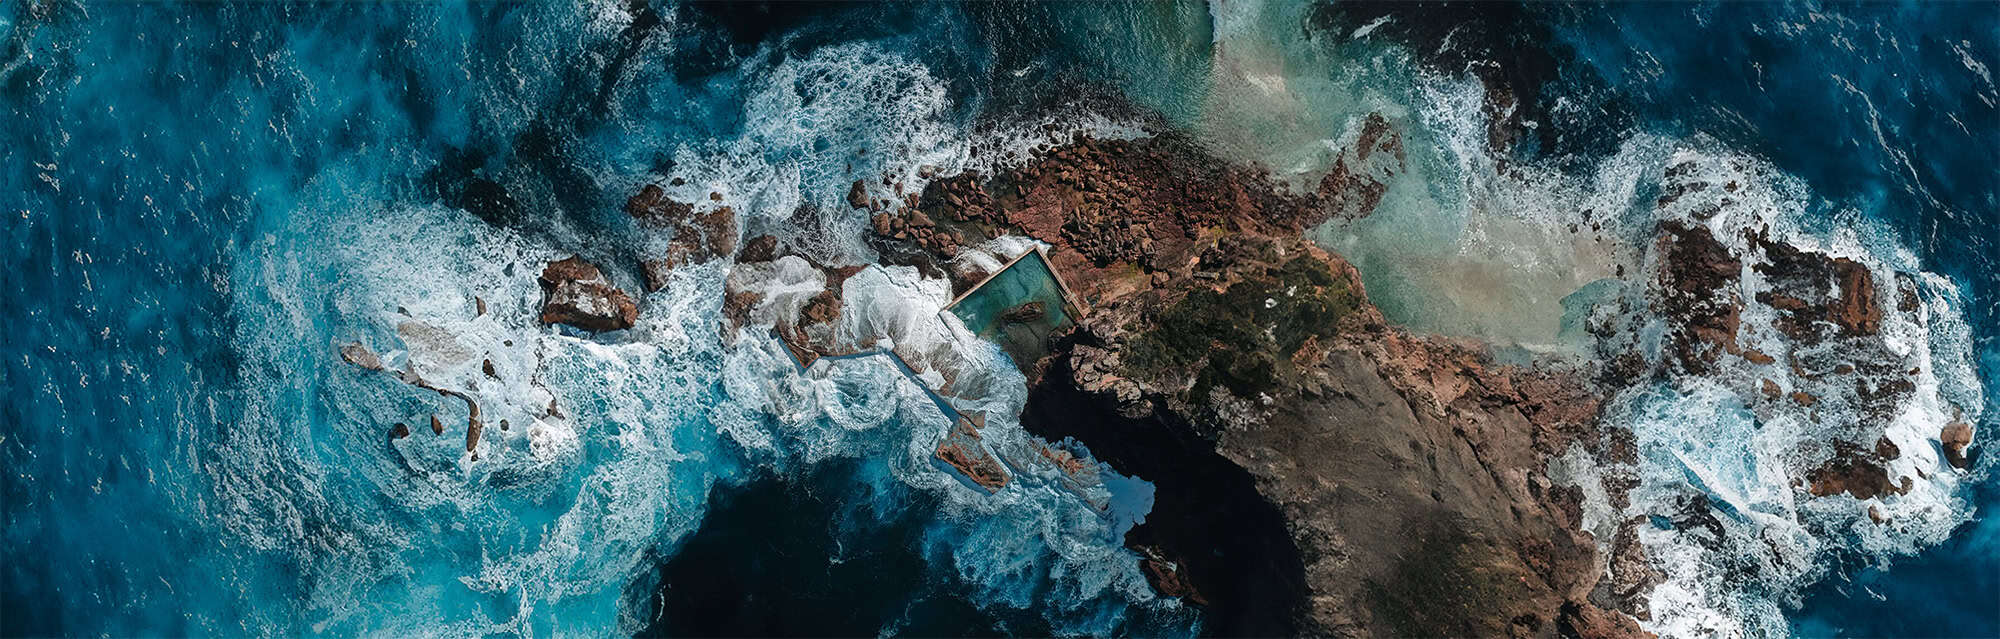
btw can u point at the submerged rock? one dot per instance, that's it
(963, 450)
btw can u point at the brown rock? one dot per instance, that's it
(762, 248)
(472, 429)
(823, 308)
(1955, 437)
(1857, 312)
(437, 427)
(400, 430)
(576, 293)
(652, 207)
(718, 232)
(1581, 620)
(1856, 471)
(1697, 294)
(962, 450)
(1167, 578)
(857, 195)
(487, 367)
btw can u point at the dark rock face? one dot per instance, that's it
(1698, 286)
(697, 237)
(576, 293)
(1411, 488)
(1820, 297)
(762, 248)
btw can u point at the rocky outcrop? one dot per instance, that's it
(697, 236)
(762, 248)
(1955, 437)
(1166, 576)
(1697, 285)
(1404, 466)
(1360, 175)
(963, 450)
(1819, 297)
(1858, 472)
(576, 293)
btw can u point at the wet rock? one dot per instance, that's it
(437, 427)
(1811, 288)
(399, 431)
(1697, 293)
(576, 293)
(1955, 437)
(1025, 313)
(1580, 620)
(472, 431)
(962, 449)
(1360, 175)
(359, 355)
(718, 232)
(823, 308)
(652, 207)
(857, 195)
(1854, 470)
(1166, 576)
(762, 248)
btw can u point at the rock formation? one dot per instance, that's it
(576, 293)
(1406, 466)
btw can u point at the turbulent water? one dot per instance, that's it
(204, 200)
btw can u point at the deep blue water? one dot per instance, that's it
(184, 455)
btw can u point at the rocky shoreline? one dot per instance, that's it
(1320, 471)
(1412, 470)
(1406, 468)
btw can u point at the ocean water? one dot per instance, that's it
(204, 200)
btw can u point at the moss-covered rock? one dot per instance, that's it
(1242, 338)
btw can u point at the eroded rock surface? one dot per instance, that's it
(576, 293)
(1406, 467)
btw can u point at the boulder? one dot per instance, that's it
(652, 207)
(1024, 313)
(1956, 436)
(857, 195)
(576, 293)
(963, 450)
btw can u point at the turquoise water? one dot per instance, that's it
(204, 199)
(1026, 281)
